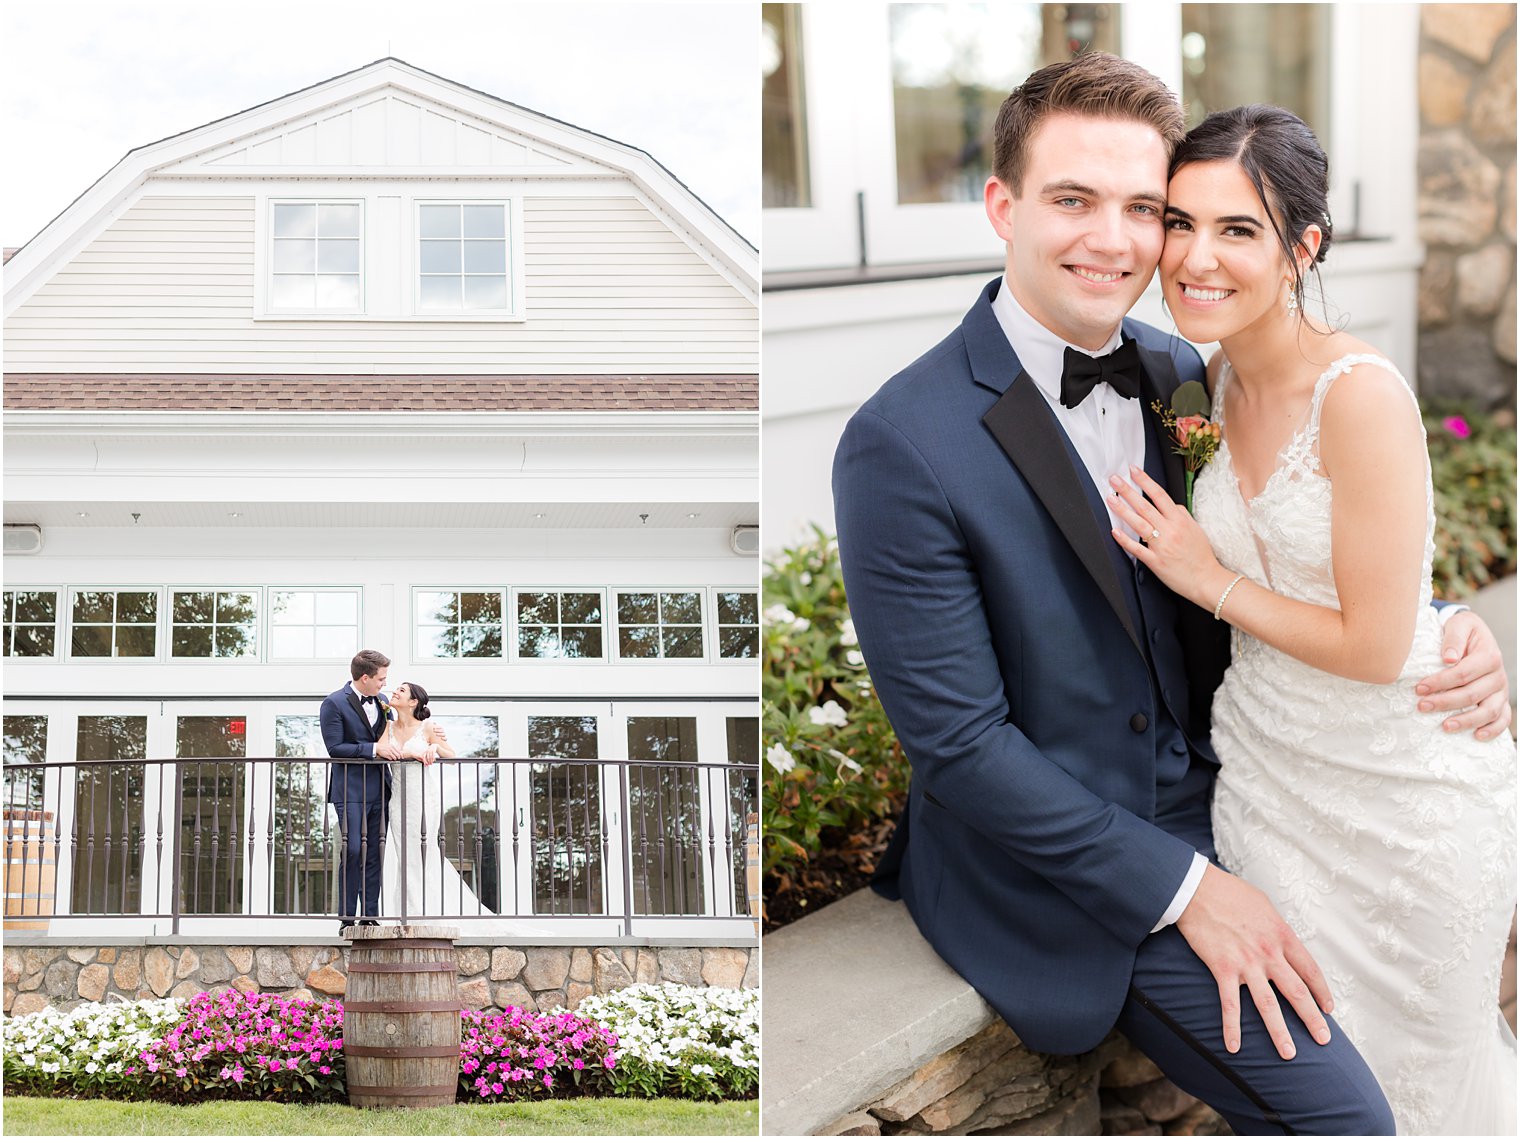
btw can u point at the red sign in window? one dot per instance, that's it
(237, 727)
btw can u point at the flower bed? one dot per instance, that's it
(1472, 466)
(676, 1040)
(85, 1051)
(517, 1055)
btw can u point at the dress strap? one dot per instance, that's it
(1331, 374)
(1222, 381)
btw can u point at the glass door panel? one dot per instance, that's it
(569, 831)
(664, 815)
(213, 812)
(469, 833)
(108, 814)
(742, 833)
(304, 848)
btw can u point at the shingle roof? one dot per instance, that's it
(65, 391)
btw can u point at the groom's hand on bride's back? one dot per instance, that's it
(1474, 679)
(1245, 943)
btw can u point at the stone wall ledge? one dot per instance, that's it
(855, 1001)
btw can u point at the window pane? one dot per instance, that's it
(681, 608)
(1257, 53)
(485, 256)
(439, 221)
(25, 743)
(91, 641)
(137, 608)
(638, 608)
(480, 608)
(537, 641)
(440, 257)
(108, 814)
(738, 609)
(295, 256)
(292, 642)
(136, 641)
(339, 220)
(235, 607)
(295, 220)
(31, 606)
(743, 802)
(581, 608)
(338, 292)
(93, 607)
(440, 292)
(437, 641)
(338, 256)
(579, 643)
(294, 292)
(305, 866)
(480, 641)
(337, 608)
(32, 641)
(191, 641)
(192, 608)
(437, 608)
(234, 641)
(665, 817)
(682, 642)
(212, 813)
(567, 817)
(537, 608)
(337, 641)
(739, 643)
(485, 292)
(485, 221)
(287, 607)
(783, 137)
(636, 642)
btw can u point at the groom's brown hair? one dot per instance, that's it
(1095, 84)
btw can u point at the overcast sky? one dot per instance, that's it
(84, 82)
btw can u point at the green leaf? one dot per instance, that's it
(1191, 398)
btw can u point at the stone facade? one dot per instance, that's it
(991, 1084)
(1467, 202)
(536, 978)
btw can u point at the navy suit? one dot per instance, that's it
(360, 793)
(1053, 699)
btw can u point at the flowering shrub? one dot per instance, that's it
(676, 1040)
(1472, 465)
(516, 1055)
(235, 1045)
(85, 1051)
(831, 759)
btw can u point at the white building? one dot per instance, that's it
(388, 363)
(878, 127)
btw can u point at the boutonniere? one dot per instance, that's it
(1194, 437)
(385, 708)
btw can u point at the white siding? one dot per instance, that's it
(169, 287)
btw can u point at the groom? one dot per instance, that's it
(353, 724)
(1052, 696)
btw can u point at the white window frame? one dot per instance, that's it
(411, 260)
(263, 258)
(255, 657)
(560, 662)
(759, 626)
(506, 634)
(160, 649)
(269, 626)
(60, 639)
(615, 650)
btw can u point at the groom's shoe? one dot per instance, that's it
(369, 921)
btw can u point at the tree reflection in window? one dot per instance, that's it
(471, 826)
(305, 870)
(108, 814)
(111, 623)
(31, 846)
(665, 813)
(656, 625)
(569, 832)
(214, 623)
(743, 805)
(458, 623)
(31, 622)
(213, 815)
(559, 625)
(738, 624)
(25, 743)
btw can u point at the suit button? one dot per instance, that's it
(1139, 572)
(1155, 636)
(1179, 748)
(1138, 722)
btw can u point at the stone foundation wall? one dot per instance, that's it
(1467, 202)
(991, 1084)
(537, 978)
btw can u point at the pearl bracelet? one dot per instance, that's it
(1227, 591)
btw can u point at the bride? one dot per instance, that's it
(1386, 842)
(417, 880)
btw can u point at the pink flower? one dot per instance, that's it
(1457, 426)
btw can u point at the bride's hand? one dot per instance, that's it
(1175, 547)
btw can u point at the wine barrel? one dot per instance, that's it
(30, 878)
(401, 1016)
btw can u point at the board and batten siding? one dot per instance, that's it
(169, 287)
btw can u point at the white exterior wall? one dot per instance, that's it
(171, 286)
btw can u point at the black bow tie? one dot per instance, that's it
(366, 699)
(1080, 373)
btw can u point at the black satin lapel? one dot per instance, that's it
(353, 698)
(1022, 423)
(1161, 377)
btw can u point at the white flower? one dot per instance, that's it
(846, 761)
(831, 714)
(847, 632)
(853, 657)
(805, 577)
(779, 615)
(801, 625)
(781, 759)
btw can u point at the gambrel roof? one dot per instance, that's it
(386, 119)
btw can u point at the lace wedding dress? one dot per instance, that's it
(413, 858)
(1387, 843)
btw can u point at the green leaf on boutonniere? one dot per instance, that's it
(1191, 398)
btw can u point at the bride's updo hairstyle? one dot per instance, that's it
(419, 694)
(1283, 160)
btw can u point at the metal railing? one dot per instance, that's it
(464, 840)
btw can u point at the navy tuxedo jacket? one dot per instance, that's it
(1010, 655)
(347, 733)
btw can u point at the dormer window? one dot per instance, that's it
(317, 257)
(462, 259)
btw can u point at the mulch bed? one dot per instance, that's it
(845, 864)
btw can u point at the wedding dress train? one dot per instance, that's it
(1387, 843)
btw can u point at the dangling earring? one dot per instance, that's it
(1292, 303)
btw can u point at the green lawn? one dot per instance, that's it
(26, 1115)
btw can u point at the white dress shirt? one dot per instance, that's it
(1108, 432)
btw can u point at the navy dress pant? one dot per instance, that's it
(361, 829)
(1172, 1015)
